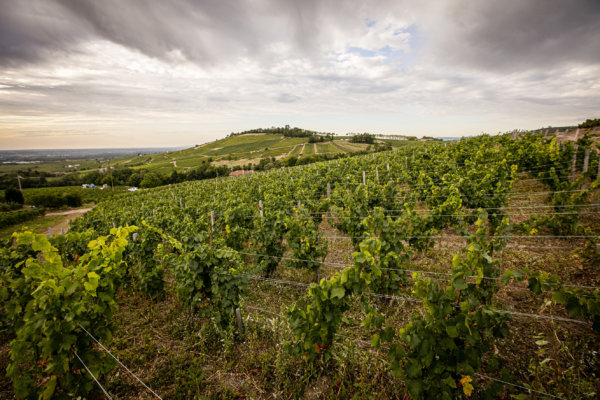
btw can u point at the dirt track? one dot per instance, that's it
(64, 223)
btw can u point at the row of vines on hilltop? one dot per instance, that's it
(217, 235)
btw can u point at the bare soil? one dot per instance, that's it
(64, 223)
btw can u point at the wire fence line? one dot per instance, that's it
(92, 375)
(468, 236)
(448, 184)
(395, 269)
(425, 213)
(518, 386)
(366, 343)
(415, 300)
(120, 363)
(416, 196)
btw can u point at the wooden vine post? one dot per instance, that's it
(574, 164)
(586, 160)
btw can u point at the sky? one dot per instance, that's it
(143, 73)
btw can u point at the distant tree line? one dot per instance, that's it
(112, 177)
(362, 138)
(590, 123)
(286, 131)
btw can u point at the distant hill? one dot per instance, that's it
(46, 155)
(239, 150)
(149, 168)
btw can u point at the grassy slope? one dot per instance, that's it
(231, 151)
(234, 151)
(39, 225)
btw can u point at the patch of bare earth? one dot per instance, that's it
(63, 225)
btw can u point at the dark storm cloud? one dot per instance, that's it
(203, 31)
(31, 31)
(509, 34)
(516, 34)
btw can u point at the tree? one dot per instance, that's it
(73, 200)
(13, 195)
(135, 179)
(150, 180)
(363, 138)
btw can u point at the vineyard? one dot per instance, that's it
(448, 270)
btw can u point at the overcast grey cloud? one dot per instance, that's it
(197, 69)
(514, 34)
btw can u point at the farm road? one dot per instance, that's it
(63, 223)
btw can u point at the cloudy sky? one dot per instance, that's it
(129, 73)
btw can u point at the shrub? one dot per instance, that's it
(73, 200)
(12, 195)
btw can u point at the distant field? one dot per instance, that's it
(53, 166)
(236, 150)
(39, 224)
(309, 149)
(87, 195)
(328, 148)
(296, 151)
(231, 151)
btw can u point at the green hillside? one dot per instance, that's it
(256, 150)
(238, 150)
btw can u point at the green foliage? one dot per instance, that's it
(286, 131)
(446, 345)
(350, 208)
(268, 234)
(305, 241)
(73, 200)
(64, 194)
(56, 201)
(211, 279)
(363, 138)
(12, 195)
(73, 245)
(16, 217)
(578, 302)
(13, 294)
(390, 217)
(568, 202)
(590, 123)
(150, 180)
(145, 265)
(238, 220)
(10, 206)
(398, 237)
(315, 326)
(60, 300)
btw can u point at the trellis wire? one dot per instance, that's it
(364, 342)
(92, 375)
(396, 269)
(518, 386)
(120, 363)
(524, 194)
(400, 298)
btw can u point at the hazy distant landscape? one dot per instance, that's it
(44, 155)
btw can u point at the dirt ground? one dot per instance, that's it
(64, 223)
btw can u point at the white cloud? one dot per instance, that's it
(181, 76)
